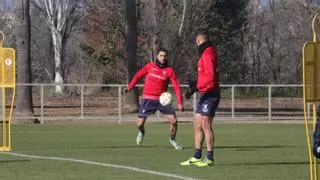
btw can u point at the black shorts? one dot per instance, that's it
(208, 103)
(149, 106)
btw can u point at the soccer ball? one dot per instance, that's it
(165, 98)
(316, 150)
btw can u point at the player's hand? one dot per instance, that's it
(188, 93)
(125, 91)
(191, 89)
(180, 107)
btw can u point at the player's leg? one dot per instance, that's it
(141, 130)
(206, 124)
(208, 111)
(173, 127)
(173, 123)
(198, 137)
(146, 108)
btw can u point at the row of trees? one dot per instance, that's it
(61, 17)
(274, 39)
(77, 41)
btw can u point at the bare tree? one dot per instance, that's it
(24, 94)
(131, 49)
(61, 17)
(103, 48)
(7, 21)
(276, 33)
(173, 25)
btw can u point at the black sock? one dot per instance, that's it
(210, 155)
(141, 129)
(197, 153)
(172, 137)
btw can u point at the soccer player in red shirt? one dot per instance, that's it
(157, 75)
(208, 86)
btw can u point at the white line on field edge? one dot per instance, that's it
(100, 164)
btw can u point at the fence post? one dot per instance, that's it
(269, 104)
(194, 104)
(308, 110)
(119, 105)
(81, 101)
(232, 102)
(41, 103)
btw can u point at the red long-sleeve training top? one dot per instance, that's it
(208, 73)
(157, 81)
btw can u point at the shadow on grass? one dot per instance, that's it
(137, 147)
(14, 161)
(263, 163)
(237, 148)
(251, 148)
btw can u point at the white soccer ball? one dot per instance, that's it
(165, 99)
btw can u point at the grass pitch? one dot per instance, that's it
(108, 151)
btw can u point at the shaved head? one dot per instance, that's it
(202, 36)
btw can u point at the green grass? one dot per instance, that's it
(243, 151)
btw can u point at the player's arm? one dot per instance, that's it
(209, 66)
(136, 78)
(176, 87)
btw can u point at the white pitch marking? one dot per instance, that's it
(100, 164)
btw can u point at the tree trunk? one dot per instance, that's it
(57, 47)
(24, 102)
(131, 50)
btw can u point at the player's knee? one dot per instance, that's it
(173, 121)
(197, 127)
(206, 126)
(140, 124)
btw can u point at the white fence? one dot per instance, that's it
(110, 105)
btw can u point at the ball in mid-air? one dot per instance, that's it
(165, 99)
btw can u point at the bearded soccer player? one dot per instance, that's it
(157, 75)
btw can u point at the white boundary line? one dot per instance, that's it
(101, 164)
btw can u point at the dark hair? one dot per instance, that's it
(205, 34)
(162, 50)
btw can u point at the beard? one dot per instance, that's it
(162, 65)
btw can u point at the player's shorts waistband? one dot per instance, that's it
(212, 92)
(144, 96)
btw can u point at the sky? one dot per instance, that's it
(6, 5)
(264, 3)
